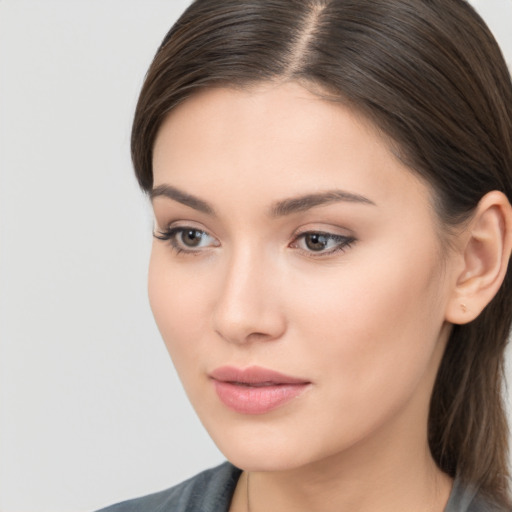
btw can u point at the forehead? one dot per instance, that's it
(274, 135)
(267, 102)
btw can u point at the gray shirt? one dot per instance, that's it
(212, 490)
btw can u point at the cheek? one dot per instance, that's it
(374, 325)
(177, 301)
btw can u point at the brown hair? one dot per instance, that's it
(430, 75)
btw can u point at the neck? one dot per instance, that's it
(391, 473)
(422, 488)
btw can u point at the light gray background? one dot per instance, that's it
(91, 411)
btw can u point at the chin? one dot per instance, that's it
(267, 448)
(263, 460)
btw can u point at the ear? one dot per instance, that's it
(485, 249)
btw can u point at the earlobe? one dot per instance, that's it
(486, 246)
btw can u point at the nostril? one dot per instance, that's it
(238, 334)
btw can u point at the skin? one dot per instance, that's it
(365, 325)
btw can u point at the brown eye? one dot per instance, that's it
(187, 239)
(321, 243)
(316, 241)
(191, 237)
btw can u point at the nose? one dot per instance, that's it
(248, 306)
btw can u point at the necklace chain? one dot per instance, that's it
(247, 493)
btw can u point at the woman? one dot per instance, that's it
(331, 183)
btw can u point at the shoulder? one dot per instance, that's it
(208, 491)
(480, 504)
(465, 498)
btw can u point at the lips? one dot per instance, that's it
(255, 390)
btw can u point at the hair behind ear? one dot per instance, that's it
(468, 431)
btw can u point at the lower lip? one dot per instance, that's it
(256, 400)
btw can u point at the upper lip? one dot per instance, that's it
(253, 375)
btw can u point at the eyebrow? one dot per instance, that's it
(183, 198)
(303, 203)
(278, 209)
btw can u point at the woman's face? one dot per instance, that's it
(298, 279)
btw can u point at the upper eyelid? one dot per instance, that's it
(181, 229)
(332, 236)
(332, 232)
(320, 232)
(183, 225)
(172, 230)
(344, 240)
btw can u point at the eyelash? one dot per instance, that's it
(342, 242)
(169, 235)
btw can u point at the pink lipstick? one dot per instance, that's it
(255, 390)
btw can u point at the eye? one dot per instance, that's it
(187, 239)
(191, 237)
(322, 243)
